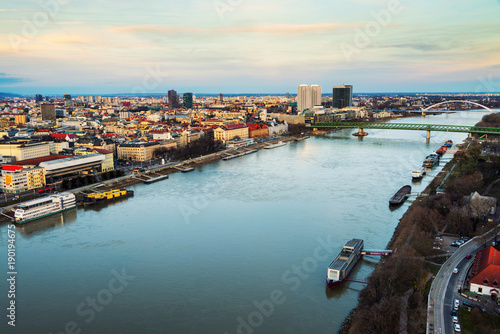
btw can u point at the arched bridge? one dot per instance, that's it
(456, 101)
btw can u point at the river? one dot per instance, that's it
(238, 246)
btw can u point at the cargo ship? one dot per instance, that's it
(400, 196)
(105, 197)
(42, 207)
(343, 264)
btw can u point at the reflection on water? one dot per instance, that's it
(57, 220)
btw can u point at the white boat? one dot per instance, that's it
(278, 144)
(42, 207)
(418, 173)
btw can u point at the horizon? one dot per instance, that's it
(377, 46)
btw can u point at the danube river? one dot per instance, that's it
(238, 246)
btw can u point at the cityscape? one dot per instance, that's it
(250, 167)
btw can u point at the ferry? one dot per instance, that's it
(278, 144)
(418, 173)
(343, 264)
(105, 197)
(42, 207)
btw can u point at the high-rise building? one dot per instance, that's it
(173, 100)
(48, 111)
(187, 100)
(308, 97)
(90, 99)
(98, 98)
(20, 119)
(38, 98)
(221, 98)
(342, 96)
(67, 100)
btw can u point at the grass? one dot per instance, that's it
(488, 322)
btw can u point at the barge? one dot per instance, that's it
(418, 173)
(301, 138)
(105, 197)
(187, 170)
(400, 196)
(155, 179)
(42, 207)
(278, 144)
(343, 264)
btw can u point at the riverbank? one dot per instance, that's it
(396, 294)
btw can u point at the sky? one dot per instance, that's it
(248, 46)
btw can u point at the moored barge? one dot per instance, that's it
(105, 197)
(400, 196)
(343, 264)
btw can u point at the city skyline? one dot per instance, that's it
(60, 46)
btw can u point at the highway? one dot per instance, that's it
(444, 288)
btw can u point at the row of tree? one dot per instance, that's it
(85, 180)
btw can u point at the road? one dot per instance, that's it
(445, 286)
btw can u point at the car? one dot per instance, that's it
(497, 310)
(454, 244)
(457, 328)
(482, 308)
(468, 256)
(455, 271)
(454, 319)
(468, 304)
(454, 312)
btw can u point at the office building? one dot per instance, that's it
(48, 111)
(173, 100)
(187, 100)
(38, 98)
(342, 96)
(308, 97)
(67, 100)
(24, 151)
(221, 98)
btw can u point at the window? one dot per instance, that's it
(480, 290)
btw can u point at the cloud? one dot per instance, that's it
(274, 28)
(6, 79)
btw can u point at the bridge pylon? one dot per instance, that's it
(428, 134)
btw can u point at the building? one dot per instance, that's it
(308, 97)
(23, 151)
(342, 96)
(67, 101)
(48, 111)
(231, 131)
(187, 100)
(90, 99)
(20, 119)
(16, 179)
(38, 98)
(221, 98)
(140, 151)
(173, 99)
(107, 164)
(485, 273)
(257, 130)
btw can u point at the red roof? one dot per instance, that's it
(37, 161)
(486, 268)
(100, 150)
(234, 126)
(63, 135)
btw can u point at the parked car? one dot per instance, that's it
(468, 256)
(455, 271)
(454, 319)
(482, 308)
(454, 244)
(457, 328)
(468, 304)
(454, 312)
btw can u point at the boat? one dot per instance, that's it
(301, 138)
(155, 179)
(343, 264)
(239, 155)
(105, 197)
(449, 143)
(187, 170)
(42, 207)
(278, 144)
(431, 160)
(418, 173)
(401, 195)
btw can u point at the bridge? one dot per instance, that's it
(455, 101)
(376, 252)
(408, 126)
